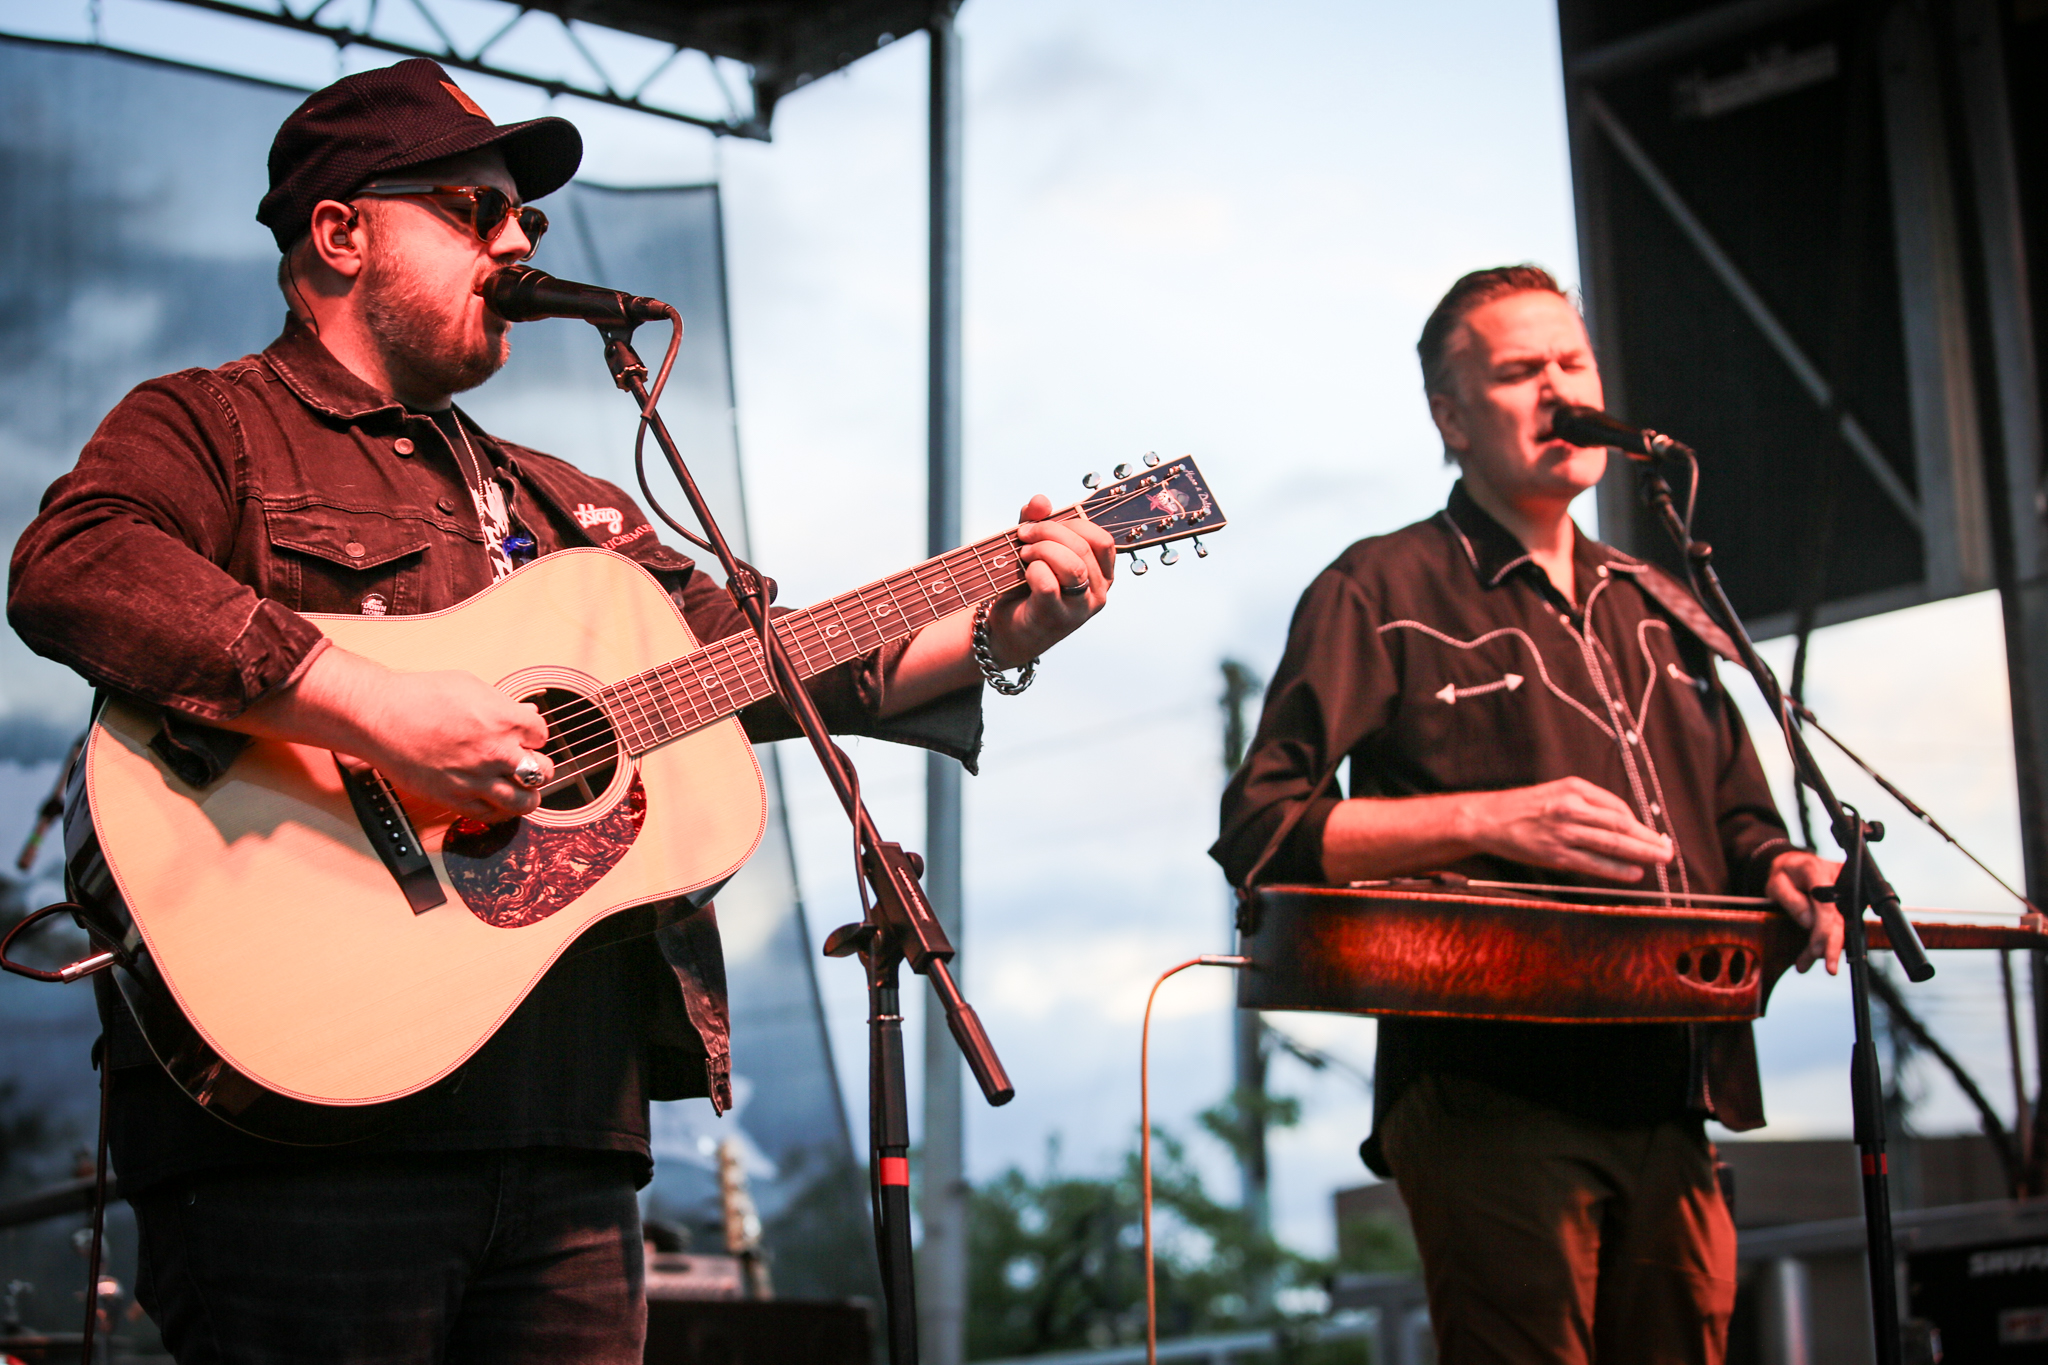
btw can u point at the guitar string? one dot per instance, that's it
(653, 696)
(912, 577)
(887, 589)
(750, 672)
(797, 622)
(800, 634)
(801, 630)
(658, 700)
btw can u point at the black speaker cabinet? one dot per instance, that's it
(1804, 240)
(1989, 1302)
(759, 1332)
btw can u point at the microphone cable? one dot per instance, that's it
(1145, 1136)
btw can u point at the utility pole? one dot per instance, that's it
(1248, 1027)
(942, 1259)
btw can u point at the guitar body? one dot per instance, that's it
(279, 969)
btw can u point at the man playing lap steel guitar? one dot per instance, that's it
(1520, 703)
(331, 474)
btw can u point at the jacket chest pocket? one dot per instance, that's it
(326, 559)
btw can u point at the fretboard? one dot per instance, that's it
(672, 699)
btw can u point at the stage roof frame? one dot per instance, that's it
(784, 44)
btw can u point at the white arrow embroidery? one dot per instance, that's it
(1449, 693)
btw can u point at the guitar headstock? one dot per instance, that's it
(1163, 502)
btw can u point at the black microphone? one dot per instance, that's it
(519, 293)
(1581, 426)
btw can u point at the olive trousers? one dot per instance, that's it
(1547, 1238)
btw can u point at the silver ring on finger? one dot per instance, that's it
(1074, 589)
(528, 773)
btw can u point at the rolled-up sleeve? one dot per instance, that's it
(121, 576)
(1334, 688)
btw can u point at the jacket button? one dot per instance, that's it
(446, 505)
(402, 446)
(354, 549)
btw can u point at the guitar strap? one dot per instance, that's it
(1677, 599)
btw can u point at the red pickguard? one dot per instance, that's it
(519, 873)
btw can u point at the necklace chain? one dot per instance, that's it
(478, 486)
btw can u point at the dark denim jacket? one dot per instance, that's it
(211, 507)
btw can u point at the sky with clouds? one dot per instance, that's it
(1196, 228)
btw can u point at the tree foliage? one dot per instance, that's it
(1057, 1261)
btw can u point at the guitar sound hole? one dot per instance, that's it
(581, 743)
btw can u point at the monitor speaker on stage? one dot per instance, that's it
(1804, 240)
(759, 1332)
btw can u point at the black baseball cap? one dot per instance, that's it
(373, 122)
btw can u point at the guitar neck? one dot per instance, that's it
(672, 699)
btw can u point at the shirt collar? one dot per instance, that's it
(1494, 553)
(321, 382)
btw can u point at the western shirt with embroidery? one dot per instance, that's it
(1440, 658)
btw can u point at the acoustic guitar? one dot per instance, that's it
(304, 947)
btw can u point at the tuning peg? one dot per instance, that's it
(1139, 566)
(1201, 550)
(1151, 458)
(1090, 479)
(1122, 471)
(1169, 556)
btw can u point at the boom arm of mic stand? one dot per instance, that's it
(1874, 891)
(902, 911)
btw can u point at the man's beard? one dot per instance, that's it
(425, 343)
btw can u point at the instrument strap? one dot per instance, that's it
(1677, 599)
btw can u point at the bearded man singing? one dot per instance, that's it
(331, 473)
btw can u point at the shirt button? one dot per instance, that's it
(354, 549)
(446, 505)
(403, 446)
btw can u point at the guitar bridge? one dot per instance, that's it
(391, 834)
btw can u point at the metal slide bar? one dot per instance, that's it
(1731, 276)
(343, 35)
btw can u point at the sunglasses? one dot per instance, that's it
(490, 208)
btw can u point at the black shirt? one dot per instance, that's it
(1440, 658)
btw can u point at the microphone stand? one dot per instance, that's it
(898, 926)
(1861, 886)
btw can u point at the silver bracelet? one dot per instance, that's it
(985, 658)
